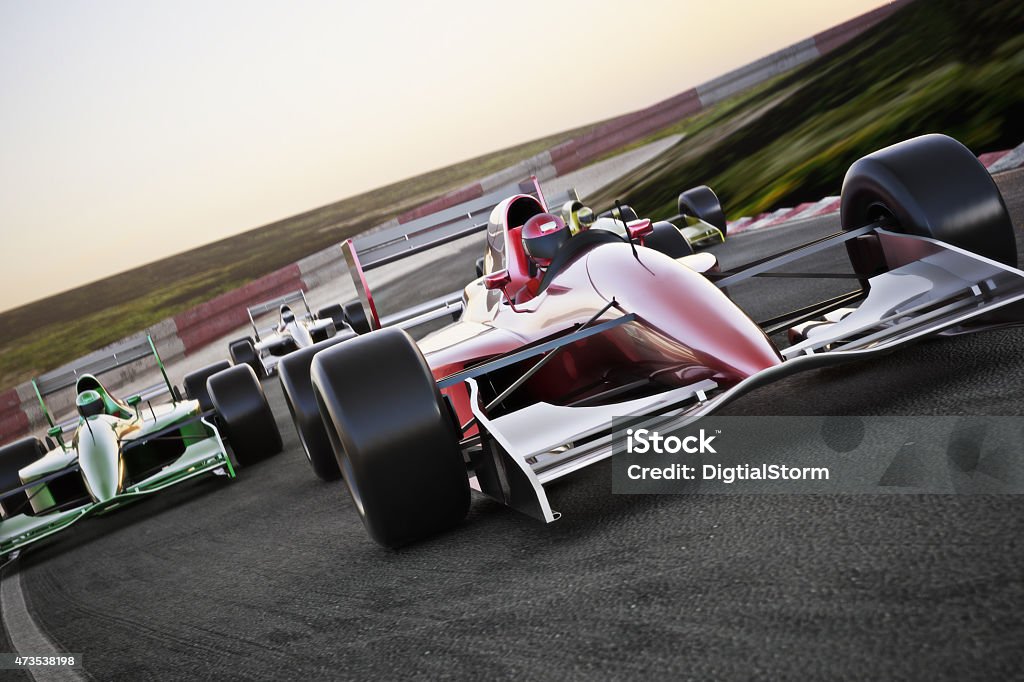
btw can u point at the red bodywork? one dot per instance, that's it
(686, 329)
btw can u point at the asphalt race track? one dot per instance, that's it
(271, 576)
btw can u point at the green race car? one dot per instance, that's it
(115, 451)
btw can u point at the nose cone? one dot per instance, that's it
(99, 458)
(302, 337)
(684, 305)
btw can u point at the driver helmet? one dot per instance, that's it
(578, 217)
(287, 316)
(543, 234)
(90, 403)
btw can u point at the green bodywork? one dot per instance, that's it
(22, 529)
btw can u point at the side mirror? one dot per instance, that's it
(497, 280)
(58, 433)
(133, 400)
(641, 229)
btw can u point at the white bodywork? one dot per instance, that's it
(301, 332)
(291, 332)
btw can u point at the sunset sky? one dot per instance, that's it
(133, 130)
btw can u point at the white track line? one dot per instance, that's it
(26, 637)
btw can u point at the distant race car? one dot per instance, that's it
(700, 219)
(115, 451)
(264, 350)
(563, 332)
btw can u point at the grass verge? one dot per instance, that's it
(938, 66)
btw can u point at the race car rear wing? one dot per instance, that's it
(422, 234)
(387, 246)
(265, 307)
(275, 304)
(101, 362)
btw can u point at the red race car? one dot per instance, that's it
(566, 330)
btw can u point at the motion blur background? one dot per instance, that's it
(172, 134)
(132, 131)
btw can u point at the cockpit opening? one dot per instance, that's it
(521, 210)
(92, 398)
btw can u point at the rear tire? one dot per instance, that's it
(667, 239)
(244, 414)
(243, 352)
(293, 371)
(930, 186)
(322, 333)
(13, 458)
(393, 436)
(195, 383)
(701, 202)
(356, 317)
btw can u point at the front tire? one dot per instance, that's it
(322, 333)
(393, 436)
(243, 352)
(13, 458)
(195, 384)
(356, 317)
(335, 312)
(667, 239)
(244, 414)
(929, 186)
(702, 203)
(293, 372)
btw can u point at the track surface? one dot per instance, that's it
(272, 576)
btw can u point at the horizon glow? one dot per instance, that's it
(133, 131)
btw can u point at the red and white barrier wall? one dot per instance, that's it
(211, 320)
